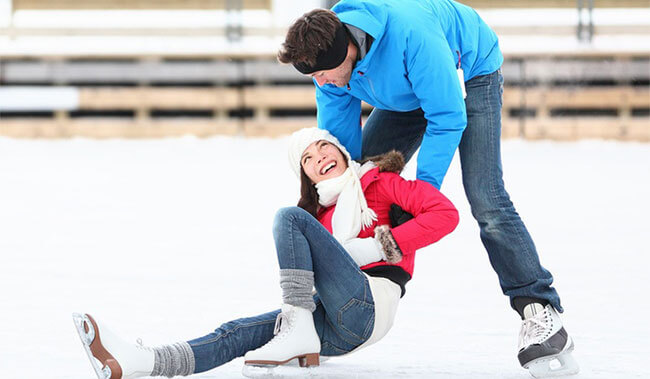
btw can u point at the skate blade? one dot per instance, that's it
(87, 333)
(560, 365)
(306, 360)
(290, 370)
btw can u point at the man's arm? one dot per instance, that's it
(340, 114)
(431, 69)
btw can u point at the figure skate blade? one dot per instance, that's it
(87, 334)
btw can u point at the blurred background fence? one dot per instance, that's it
(155, 68)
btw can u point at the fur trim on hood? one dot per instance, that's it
(392, 161)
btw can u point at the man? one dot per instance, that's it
(431, 69)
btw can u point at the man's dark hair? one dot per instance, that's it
(311, 33)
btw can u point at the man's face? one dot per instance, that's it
(340, 75)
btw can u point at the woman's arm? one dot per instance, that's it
(434, 215)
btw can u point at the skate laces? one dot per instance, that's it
(141, 346)
(282, 323)
(535, 329)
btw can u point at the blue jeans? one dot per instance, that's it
(345, 311)
(510, 248)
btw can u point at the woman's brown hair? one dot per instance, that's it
(308, 194)
(308, 35)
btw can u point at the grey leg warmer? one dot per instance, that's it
(172, 360)
(296, 288)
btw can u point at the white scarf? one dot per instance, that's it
(352, 211)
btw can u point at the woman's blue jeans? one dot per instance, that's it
(510, 248)
(345, 311)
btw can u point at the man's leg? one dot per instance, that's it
(510, 248)
(386, 130)
(544, 345)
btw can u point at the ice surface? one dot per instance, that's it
(166, 239)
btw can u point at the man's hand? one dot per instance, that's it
(398, 216)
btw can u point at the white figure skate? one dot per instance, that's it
(545, 347)
(295, 337)
(111, 356)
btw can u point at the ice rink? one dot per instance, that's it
(166, 239)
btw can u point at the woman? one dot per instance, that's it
(338, 241)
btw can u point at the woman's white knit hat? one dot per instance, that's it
(301, 139)
(352, 212)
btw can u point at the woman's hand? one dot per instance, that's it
(382, 247)
(364, 250)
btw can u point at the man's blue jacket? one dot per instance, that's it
(411, 64)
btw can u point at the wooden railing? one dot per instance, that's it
(587, 93)
(486, 4)
(134, 4)
(539, 106)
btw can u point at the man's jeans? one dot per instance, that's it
(510, 248)
(345, 311)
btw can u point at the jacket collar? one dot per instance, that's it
(367, 16)
(369, 178)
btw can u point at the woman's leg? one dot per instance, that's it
(344, 317)
(231, 340)
(344, 309)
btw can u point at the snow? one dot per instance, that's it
(166, 239)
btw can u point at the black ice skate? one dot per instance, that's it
(544, 345)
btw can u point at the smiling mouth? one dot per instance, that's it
(327, 168)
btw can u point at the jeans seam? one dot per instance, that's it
(341, 324)
(495, 187)
(369, 327)
(520, 236)
(336, 330)
(292, 253)
(413, 143)
(328, 344)
(232, 331)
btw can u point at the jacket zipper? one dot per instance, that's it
(372, 88)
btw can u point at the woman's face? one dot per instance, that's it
(322, 160)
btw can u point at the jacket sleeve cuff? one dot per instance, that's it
(388, 244)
